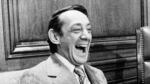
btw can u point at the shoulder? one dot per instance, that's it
(32, 78)
(11, 77)
(36, 74)
(41, 65)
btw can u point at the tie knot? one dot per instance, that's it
(79, 71)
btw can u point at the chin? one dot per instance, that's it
(80, 61)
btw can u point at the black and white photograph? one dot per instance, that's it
(74, 41)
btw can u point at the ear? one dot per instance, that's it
(53, 36)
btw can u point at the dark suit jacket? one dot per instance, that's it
(52, 71)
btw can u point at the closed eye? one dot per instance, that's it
(76, 28)
(89, 30)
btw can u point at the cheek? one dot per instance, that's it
(72, 39)
(75, 37)
(67, 41)
(90, 36)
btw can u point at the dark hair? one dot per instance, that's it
(56, 24)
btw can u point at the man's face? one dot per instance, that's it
(75, 42)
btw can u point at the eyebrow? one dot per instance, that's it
(79, 24)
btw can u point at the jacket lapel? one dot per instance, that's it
(91, 75)
(57, 71)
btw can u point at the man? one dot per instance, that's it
(69, 39)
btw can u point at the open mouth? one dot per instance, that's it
(82, 48)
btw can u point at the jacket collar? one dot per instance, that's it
(56, 69)
(95, 76)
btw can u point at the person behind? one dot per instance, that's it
(69, 40)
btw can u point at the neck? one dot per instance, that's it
(67, 56)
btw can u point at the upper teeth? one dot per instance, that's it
(82, 45)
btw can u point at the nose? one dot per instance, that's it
(85, 35)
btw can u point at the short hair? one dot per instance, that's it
(56, 24)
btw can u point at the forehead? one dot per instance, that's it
(73, 16)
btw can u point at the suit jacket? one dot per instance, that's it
(51, 71)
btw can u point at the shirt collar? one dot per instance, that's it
(65, 62)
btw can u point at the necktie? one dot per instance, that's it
(79, 71)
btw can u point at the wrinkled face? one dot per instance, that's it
(75, 42)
